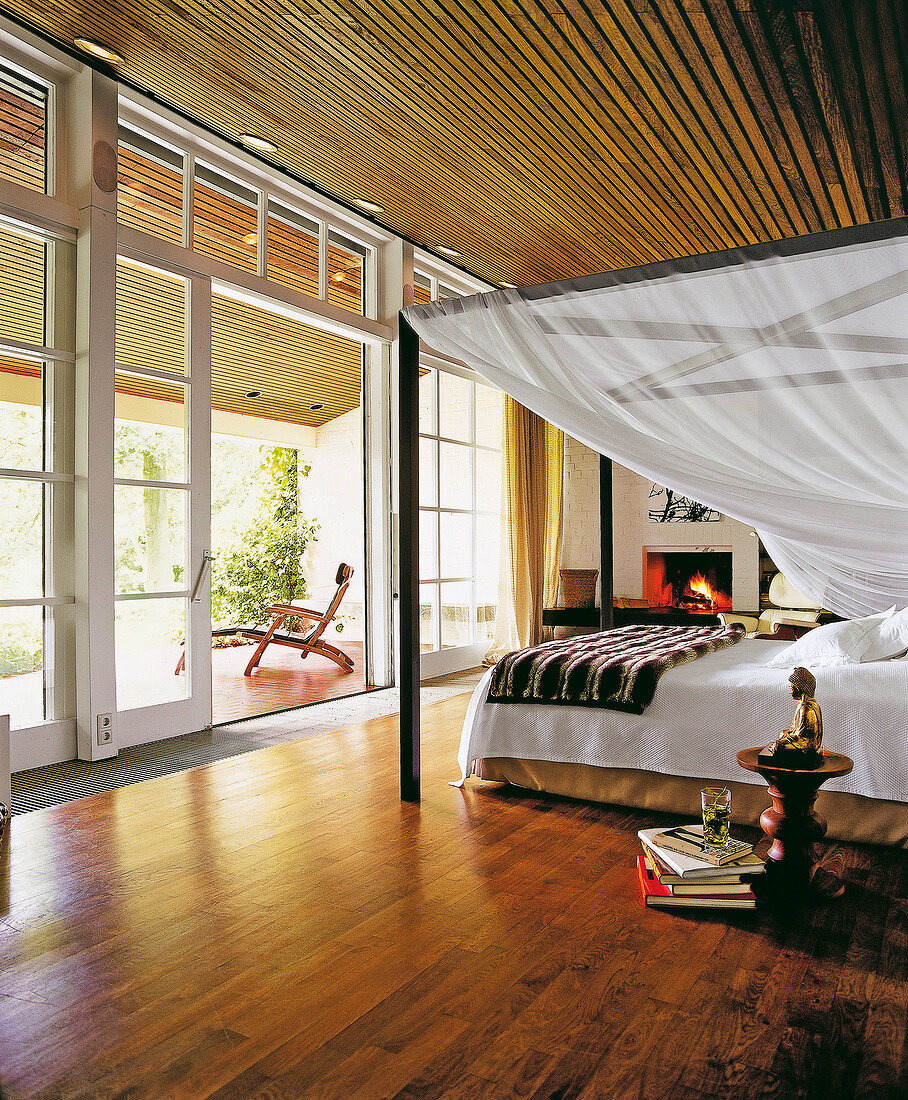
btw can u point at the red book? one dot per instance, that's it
(658, 896)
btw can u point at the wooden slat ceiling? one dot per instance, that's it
(293, 364)
(545, 138)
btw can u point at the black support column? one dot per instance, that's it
(606, 547)
(408, 561)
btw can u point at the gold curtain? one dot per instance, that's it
(533, 462)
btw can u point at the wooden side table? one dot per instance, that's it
(570, 616)
(794, 827)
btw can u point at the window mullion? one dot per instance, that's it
(323, 261)
(33, 353)
(262, 235)
(141, 483)
(38, 601)
(50, 142)
(35, 475)
(167, 594)
(188, 204)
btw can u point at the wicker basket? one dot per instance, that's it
(578, 587)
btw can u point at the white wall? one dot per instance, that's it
(333, 494)
(632, 530)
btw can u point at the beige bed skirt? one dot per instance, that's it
(850, 817)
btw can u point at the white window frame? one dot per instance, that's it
(388, 275)
(58, 704)
(438, 272)
(441, 661)
(139, 724)
(181, 135)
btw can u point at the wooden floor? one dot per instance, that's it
(282, 680)
(279, 926)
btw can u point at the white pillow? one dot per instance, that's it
(890, 639)
(834, 644)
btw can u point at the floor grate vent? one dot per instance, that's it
(41, 788)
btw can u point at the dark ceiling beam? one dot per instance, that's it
(408, 561)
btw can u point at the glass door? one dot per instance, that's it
(459, 519)
(162, 502)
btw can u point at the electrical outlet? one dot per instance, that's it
(105, 729)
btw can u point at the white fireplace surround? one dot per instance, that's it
(685, 548)
(633, 530)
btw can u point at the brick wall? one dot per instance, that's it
(580, 529)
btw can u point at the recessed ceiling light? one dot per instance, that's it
(96, 49)
(251, 238)
(448, 251)
(509, 286)
(259, 144)
(318, 405)
(253, 393)
(372, 207)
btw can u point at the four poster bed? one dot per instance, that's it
(768, 383)
(701, 714)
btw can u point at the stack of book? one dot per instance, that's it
(678, 870)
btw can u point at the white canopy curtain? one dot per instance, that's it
(768, 382)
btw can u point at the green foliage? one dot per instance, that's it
(149, 521)
(264, 564)
(21, 650)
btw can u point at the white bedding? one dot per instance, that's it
(703, 713)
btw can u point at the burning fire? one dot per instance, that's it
(700, 589)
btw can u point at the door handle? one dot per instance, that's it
(200, 579)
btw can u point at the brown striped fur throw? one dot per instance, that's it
(618, 669)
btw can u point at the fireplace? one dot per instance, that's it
(688, 578)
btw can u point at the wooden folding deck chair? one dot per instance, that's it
(311, 642)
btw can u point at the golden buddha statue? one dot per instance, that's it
(799, 746)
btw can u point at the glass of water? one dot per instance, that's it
(716, 802)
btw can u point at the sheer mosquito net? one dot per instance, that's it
(768, 383)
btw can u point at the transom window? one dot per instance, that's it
(237, 224)
(346, 272)
(428, 288)
(23, 130)
(225, 218)
(422, 288)
(293, 248)
(150, 186)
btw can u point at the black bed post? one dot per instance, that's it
(408, 561)
(606, 555)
